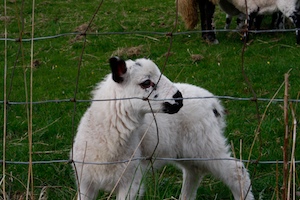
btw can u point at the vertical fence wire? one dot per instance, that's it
(76, 89)
(4, 107)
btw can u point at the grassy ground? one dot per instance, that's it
(266, 59)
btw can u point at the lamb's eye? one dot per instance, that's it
(146, 84)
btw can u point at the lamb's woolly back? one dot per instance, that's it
(196, 131)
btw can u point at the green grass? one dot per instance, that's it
(267, 58)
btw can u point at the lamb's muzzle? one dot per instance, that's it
(174, 108)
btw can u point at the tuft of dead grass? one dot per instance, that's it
(196, 57)
(129, 51)
(5, 18)
(82, 29)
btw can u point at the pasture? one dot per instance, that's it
(66, 69)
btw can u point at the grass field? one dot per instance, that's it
(267, 57)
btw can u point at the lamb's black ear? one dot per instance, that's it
(118, 69)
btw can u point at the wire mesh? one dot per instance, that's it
(7, 103)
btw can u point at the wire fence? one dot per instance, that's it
(138, 98)
(148, 33)
(5, 102)
(148, 158)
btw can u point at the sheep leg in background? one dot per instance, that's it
(296, 21)
(278, 20)
(207, 10)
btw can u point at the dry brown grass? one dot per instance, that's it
(129, 51)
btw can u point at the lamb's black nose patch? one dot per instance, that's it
(174, 108)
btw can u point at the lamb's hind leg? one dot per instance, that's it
(191, 182)
(234, 175)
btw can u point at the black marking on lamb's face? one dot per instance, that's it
(156, 96)
(217, 114)
(174, 108)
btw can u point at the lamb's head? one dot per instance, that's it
(142, 79)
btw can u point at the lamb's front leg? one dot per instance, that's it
(191, 182)
(87, 190)
(235, 176)
(132, 193)
(131, 189)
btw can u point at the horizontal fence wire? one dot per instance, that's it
(149, 33)
(148, 158)
(138, 98)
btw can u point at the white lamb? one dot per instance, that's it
(105, 132)
(112, 130)
(289, 8)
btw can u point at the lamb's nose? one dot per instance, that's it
(174, 108)
(178, 98)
